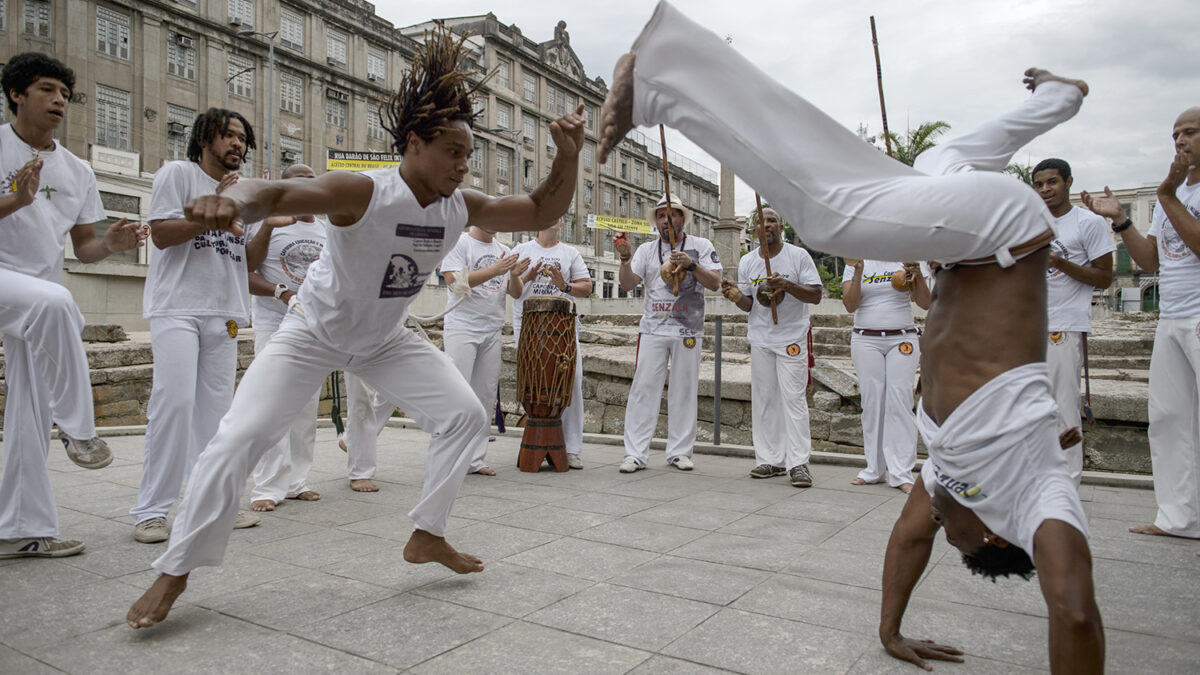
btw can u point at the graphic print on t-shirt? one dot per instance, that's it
(297, 256)
(404, 277)
(1063, 254)
(220, 243)
(485, 261)
(1172, 244)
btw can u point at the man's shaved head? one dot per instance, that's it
(299, 171)
(1191, 114)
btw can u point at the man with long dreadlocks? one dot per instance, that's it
(389, 230)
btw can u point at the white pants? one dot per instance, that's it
(1064, 359)
(366, 416)
(283, 471)
(779, 406)
(195, 367)
(1175, 425)
(645, 396)
(843, 195)
(477, 357)
(572, 415)
(405, 368)
(886, 367)
(46, 373)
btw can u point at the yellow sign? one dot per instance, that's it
(635, 225)
(339, 160)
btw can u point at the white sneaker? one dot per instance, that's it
(245, 520)
(152, 530)
(93, 453)
(630, 465)
(39, 547)
(574, 462)
(682, 462)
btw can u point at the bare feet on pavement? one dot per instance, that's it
(858, 481)
(262, 505)
(616, 117)
(423, 547)
(363, 485)
(308, 496)
(154, 604)
(1152, 529)
(485, 471)
(906, 488)
(1036, 76)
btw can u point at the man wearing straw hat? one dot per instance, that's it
(675, 268)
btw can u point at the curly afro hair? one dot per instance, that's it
(24, 69)
(990, 562)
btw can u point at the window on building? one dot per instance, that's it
(291, 151)
(624, 168)
(375, 128)
(3, 26)
(590, 112)
(35, 15)
(504, 158)
(291, 93)
(336, 109)
(608, 199)
(504, 115)
(376, 64)
(650, 179)
(608, 289)
(556, 100)
(530, 88)
(478, 159)
(637, 173)
(240, 70)
(112, 117)
(112, 32)
(181, 55)
(291, 29)
(528, 173)
(529, 127)
(242, 11)
(335, 47)
(639, 207)
(179, 129)
(504, 73)
(589, 152)
(623, 201)
(479, 107)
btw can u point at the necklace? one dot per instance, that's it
(670, 247)
(49, 146)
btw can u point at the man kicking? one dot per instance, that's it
(389, 230)
(996, 477)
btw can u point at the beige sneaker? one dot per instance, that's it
(152, 530)
(39, 547)
(574, 462)
(93, 453)
(245, 520)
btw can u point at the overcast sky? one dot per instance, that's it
(954, 60)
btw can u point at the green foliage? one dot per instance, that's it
(828, 266)
(1023, 172)
(906, 148)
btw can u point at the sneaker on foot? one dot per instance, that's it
(682, 462)
(630, 465)
(766, 471)
(152, 530)
(801, 477)
(39, 547)
(574, 462)
(90, 454)
(245, 520)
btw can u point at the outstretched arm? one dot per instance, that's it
(1143, 250)
(122, 235)
(548, 201)
(1064, 566)
(342, 195)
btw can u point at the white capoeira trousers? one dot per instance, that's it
(645, 396)
(282, 472)
(279, 383)
(572, 415)
(46, 373)
(195, 367)
(1064, 359)
(845, 197)
(886, 377)
(366, 416)
(477, 357)
(1175, 425)
(779, 406)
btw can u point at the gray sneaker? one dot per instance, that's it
(767, 471)
(90, 454)
(801, 477)
(245, 520)
(574, 462)
(39, 547)
(152, 530)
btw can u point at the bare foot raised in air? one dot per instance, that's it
(616, 117)
(262, 505)
(1036, 76)
(156, 602)
(423, 547)
(363, 485)
(1152, 529)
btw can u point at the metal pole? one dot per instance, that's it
(717, 380)
(271, 106)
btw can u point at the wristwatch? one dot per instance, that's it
(280, 289)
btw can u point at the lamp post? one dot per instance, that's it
(230, 79)
(270, 91)
(519, 172)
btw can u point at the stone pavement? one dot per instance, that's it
(587, 572)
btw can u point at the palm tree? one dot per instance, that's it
(1022, 171)
(906, 148)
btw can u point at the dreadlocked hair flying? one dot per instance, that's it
(212, 123)
(433, 93)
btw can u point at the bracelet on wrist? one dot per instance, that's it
(1117, 229)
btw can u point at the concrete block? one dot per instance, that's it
(613, 420)
(845, 428)
(103, 333)
(593, 416)
(826, 400)
(818, 424)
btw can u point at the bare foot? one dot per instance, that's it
(423, 547)
(363, 485)
(858, 481)
(308, 496)
(616, 116)
(1036, 76)
(1152, 529)
(906, 488)
(485, 471)
(154, 604)
(342, 445)
(262, 505)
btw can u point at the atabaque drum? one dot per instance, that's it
(545, 373)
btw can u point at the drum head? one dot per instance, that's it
(547, 304)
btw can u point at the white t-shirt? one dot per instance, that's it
(881, 306)
(665, 313)
(1080, 237)
(794, 264)
(31, 238)
(483, 310)
(562, 256)
(289, 253)
(202, 277)
(1178, 266)
(357, 294)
